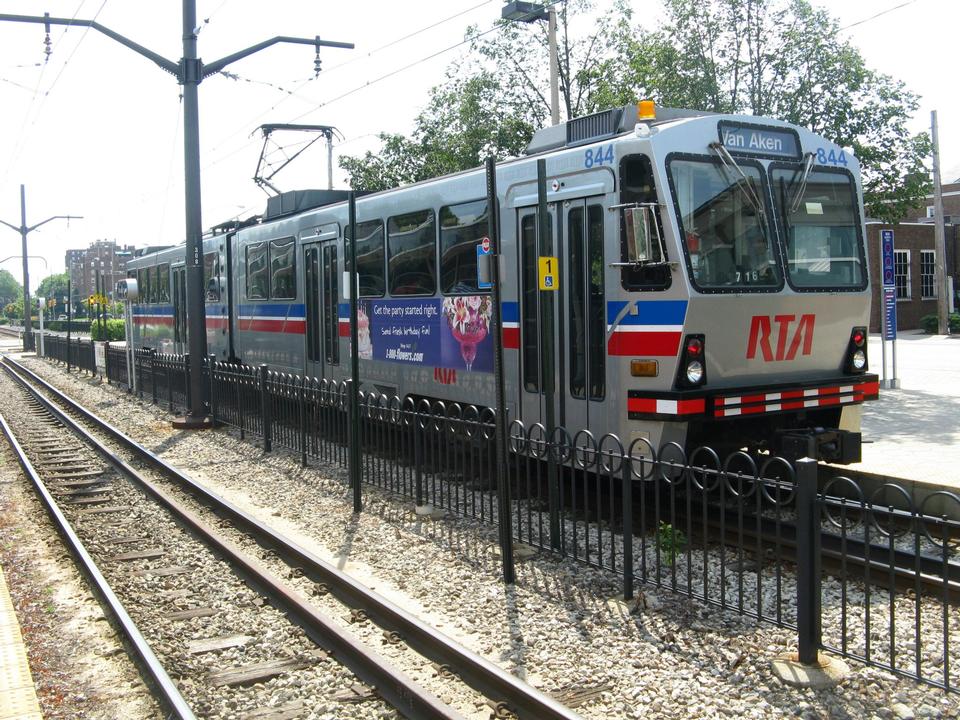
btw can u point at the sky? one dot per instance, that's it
(96, 131)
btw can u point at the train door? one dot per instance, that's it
(539, 345)
(322, 293)
(180, 309)
(583, 322)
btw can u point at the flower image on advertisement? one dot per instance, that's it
(364, 343)
(469, 319)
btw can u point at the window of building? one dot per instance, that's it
(258, 281)
(283, 276)
(928, 269)
(462, 227)
(412, 247)
(930, 212)
(901, 273)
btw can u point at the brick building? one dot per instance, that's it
(914, 260)
(104, 257)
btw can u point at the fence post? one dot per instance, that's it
(627, 526)
(353, 445)
(265, 408)
(302, 418)
(418, 457)
(188, 393)
(212, 362)
(106, 361)
(153, 375)
(170, 386)
(808, 562)
(138, 371)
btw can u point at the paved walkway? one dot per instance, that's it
(18, 699)
(916, 429)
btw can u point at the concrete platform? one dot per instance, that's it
(913, 432)
(18, 698)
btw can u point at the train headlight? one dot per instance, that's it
(856, 357)
(859, 360)
(694, 372)
(693, 367)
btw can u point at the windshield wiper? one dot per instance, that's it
(743, 182)
(802, 186)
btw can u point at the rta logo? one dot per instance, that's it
(761, 329)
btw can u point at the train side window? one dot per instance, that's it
(258, 281)
(163, 283)
(587, 306)
(211, 277)
(143, 284)
(283, 275)
(412, 250)
(529, 302)
(637, 186)
(369, 257)
(461, 229)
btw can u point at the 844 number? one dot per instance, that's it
(831, 157)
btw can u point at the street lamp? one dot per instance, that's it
(529, 12)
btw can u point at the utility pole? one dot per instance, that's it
(25, 230)
(940, 245)
(530, 12)
(189, 72)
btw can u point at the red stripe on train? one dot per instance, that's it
(644, 343)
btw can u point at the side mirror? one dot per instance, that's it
(639, 247)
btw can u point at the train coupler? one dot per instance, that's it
(827, 444)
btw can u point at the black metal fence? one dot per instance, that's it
(76, 353)
(868, 575)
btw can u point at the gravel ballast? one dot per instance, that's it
(662, 657)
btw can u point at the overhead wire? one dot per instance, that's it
(294, 93)
(24, 129)
(879, 14)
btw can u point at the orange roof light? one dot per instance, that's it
(646, 110)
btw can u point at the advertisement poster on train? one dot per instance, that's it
(453, 332)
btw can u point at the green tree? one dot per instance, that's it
(14, 310)
(777, 58)
(10, 289)
(788, 60)
(492, 101)
(55, 287)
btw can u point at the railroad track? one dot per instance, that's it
(95, 492)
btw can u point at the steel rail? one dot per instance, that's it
(485, 677)
(400, 691)
(859, 559)
(169, 695)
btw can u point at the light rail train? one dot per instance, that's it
(706, 276)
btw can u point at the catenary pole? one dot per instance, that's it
(940, 277)
(25, 230)
(189, 72)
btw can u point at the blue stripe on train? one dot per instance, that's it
(152, 310)
(650, 312)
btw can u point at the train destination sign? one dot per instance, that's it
(757, 140)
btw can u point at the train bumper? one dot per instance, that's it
(724, 403)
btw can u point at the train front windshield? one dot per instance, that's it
(725, 225)
(818, 212)
(731, 239)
